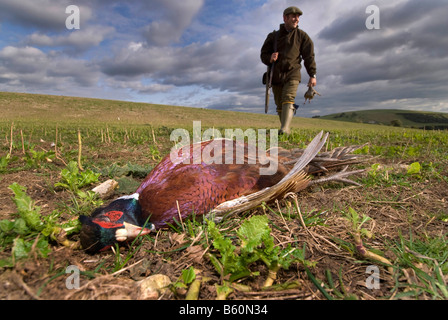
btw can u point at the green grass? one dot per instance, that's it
(424, 264)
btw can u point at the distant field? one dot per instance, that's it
(35, 108)
(398, 118)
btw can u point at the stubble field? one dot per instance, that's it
(54, 150)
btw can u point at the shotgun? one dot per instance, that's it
(269, 74)
(268, 86)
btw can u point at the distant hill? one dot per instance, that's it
(63, 110)
(51, 109)
(392, 117)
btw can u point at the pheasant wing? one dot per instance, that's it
(294, 181)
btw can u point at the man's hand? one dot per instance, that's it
(274, 57)
(312, 82)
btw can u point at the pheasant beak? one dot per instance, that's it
(130, 232)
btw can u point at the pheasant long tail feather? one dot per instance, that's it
(336, 158)
(308, 155)
(326, 161)
(294, 181)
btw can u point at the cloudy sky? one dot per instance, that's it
(205, 53)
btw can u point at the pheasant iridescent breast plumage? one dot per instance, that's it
(231, 180)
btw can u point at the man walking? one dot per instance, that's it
(292, 46)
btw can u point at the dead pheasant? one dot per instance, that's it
(177, 189)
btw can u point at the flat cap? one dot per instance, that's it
(294, 10)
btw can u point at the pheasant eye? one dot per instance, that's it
(114, 215)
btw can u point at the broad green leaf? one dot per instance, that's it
(20, 249)
(253, 231)
(414, 168)
(188, 275)
(26, 208)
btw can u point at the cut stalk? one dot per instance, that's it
(79, 150)
(23, 144)
(368, 254)
(223, 291)
(272, 276)
(10, 142)
(193, 291)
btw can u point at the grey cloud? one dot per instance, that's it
(161, 33)
(175, 17)
(81, 72)
(137, 86)
(398, 63)
(344, 29)
(28, 66)
(407, 18)
(133, 62)
(407, 13)
(214, 64)
(74, 41)
(43, 14)
(22, 60)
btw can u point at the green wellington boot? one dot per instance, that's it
(286, 117)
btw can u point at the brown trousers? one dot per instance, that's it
(285, 94)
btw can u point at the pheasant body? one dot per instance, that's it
(173, 187)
